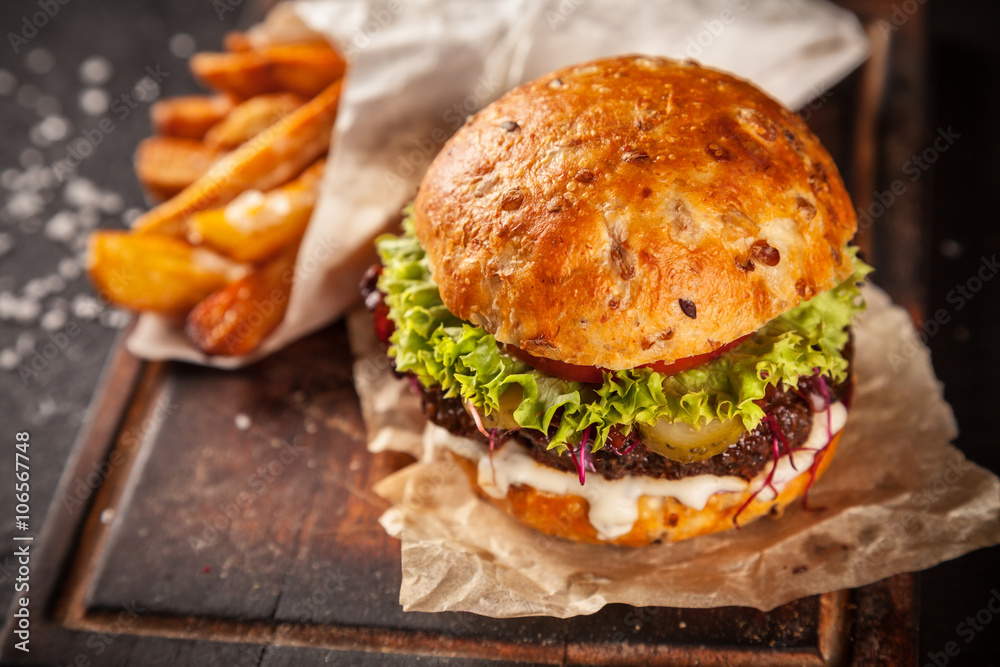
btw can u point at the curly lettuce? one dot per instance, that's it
(466, 361)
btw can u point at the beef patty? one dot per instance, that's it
(792, 409)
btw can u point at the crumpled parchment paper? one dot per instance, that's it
(417, 68)
(897, 498)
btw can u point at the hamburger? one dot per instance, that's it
(624, 292)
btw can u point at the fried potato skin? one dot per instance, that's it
(270, 159)
(236, 319)
(156, 273)
(167, 165)
(258, 225)
(190, 116)
(306, 69)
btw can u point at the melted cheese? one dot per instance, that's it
(614, 504)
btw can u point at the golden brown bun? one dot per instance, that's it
(571, 216)
(666, 520)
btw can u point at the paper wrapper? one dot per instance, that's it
(416, 69)
(897, 498)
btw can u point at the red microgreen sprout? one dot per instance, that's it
(491, 435)
(476, 418)
(821, 453)
(576, 465)
(819, 382)
(585, 461)
(768, 481)
(634, 444)
(776, 430)
(610, 444)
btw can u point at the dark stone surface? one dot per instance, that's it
(132, 36)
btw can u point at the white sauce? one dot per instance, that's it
(804, 456)
(614, 506)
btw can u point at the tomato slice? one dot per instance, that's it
(595, 374)
(559, 369)
(687, 363)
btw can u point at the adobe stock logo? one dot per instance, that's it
(30, 25)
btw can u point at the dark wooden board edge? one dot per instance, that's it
(62, 525)
(894, 604)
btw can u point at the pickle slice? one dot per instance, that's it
(687, 444)
(503, 418)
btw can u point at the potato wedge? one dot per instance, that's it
(257, 225)
(236, 41)
(305, 69)
(189, 117)
(167, 165)
(158, 273)
(270, 159)
(234, 320)
(250, 118)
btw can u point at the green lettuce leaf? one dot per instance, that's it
(465, 360)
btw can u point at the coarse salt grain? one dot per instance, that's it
(61, 226)
(54, 128)
(112, 203)
(85, 307)
(181, 45)
(95, 70)
(35, 289)
(39, 61)
(94, 101)
(8, 82)
(69, 268)
(80, 193)
(53, 319)
(88, 218)
(25, 343)
(22, 205)
(54, 283)
(37, 137)
(131, 215)
(115, 318)
(47, 408)
(9, 359)
(26, 310)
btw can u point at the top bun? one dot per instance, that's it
(631, 210)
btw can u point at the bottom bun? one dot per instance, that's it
(660, 519)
